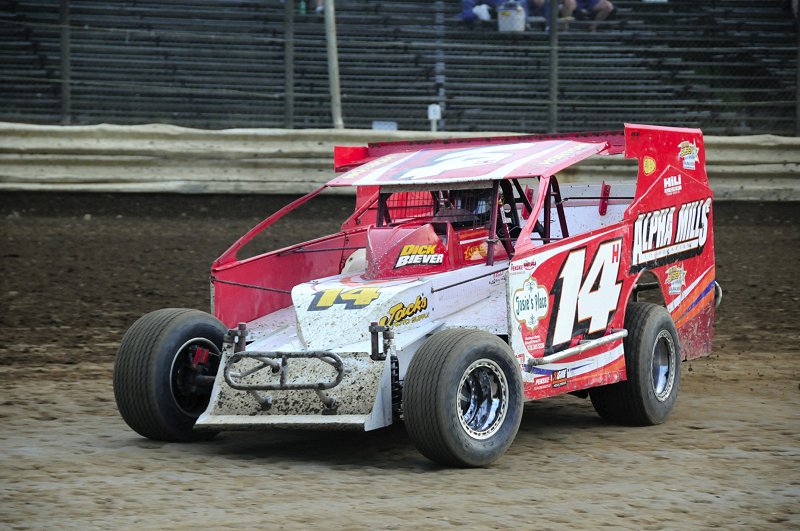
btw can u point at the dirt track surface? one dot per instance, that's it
(77, 270)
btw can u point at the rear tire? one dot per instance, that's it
(156, 387)
(463, 398)
(653, 366)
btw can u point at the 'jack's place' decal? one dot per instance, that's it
(400, 313)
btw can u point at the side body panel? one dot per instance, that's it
(561, 294)
(245, 290)
(673, 229)
(576, 289)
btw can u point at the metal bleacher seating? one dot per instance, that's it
(728, 66)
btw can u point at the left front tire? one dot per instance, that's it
(163, 373)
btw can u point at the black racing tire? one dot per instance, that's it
(462, 398)
(653, 369)
(155, 385)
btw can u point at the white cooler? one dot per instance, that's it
(510, 17)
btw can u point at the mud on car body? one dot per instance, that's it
(467, 281)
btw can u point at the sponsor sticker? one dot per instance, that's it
(402, 314)
(497, 277)
(530, 303)
(676, 279)
(533, 342)
(668, 234)
(418, 255)
(519, 267)
(690, 154)
(542, 382)
(672, 185)
(476, 252)
(559, 378)
(649, 165)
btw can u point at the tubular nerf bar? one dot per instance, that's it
(577, 349)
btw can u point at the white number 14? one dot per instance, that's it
(594, 298)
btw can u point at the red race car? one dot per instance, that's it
(466, 281)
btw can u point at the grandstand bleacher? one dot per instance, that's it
(728, 66)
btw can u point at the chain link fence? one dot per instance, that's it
(727, 66)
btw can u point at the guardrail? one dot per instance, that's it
(166, 158)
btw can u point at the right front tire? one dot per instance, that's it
(462, 398)
(653, 367)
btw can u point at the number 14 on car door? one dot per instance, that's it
(564, 294)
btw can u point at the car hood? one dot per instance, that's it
(338, 310)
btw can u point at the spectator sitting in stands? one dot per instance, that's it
(472, 10)
(595, 10)
(541, 8)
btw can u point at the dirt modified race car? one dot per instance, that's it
(466, 282)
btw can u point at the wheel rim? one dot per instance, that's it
(189, 394)
(482, 401)
(664, 365)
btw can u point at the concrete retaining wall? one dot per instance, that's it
(165, 158)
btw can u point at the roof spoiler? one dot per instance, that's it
(346, 158)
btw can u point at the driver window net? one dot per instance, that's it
(461, 208)
(405, 206)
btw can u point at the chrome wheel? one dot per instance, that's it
(482, 401)
(664, 365)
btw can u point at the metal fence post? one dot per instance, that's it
(288, 64)
(333, 65)
(553, 15)
(439, 67)
(66, 69)
(553, 25)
